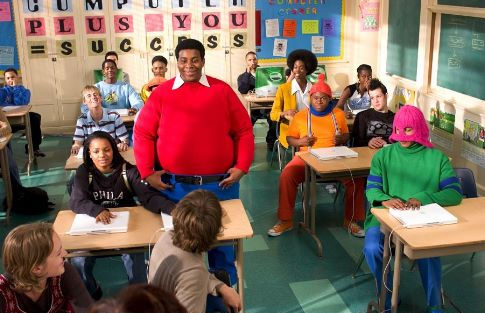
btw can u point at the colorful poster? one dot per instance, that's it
(5, 12)
(318, 44)
(280, 47)
(289, 28)
(442, 120)
(272, 27)
(369, 15)
(400, 97)
(309, 27)
(474, 133)
(328, 28)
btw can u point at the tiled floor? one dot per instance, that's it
(282, 274)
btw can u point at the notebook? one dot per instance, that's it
(427, 215)
(84, 224)
(334, 153)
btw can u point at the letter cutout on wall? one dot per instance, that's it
(64, 25)
(37, 49)
(153, 22)
(178, 38)
(153, 4)
(239, 40)
(66, 48)
(124, 45)
(210, 3)
(212, 41)
(211, 20)
(96, 46)
(62, 5)
(177, 4)
(34, 26)
(33, 6)
(122, 4)
(93, 5)
(241, 3)
(238, 19)
(123, 23)
(154, 43)
(95, 25)
(181, 21)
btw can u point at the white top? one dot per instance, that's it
(179, 81)
(302, 97)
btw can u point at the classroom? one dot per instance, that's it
(286, 148)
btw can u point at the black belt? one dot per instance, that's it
(197, 179)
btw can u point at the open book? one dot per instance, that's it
(84, 224)
(427, 215)
(333, 153)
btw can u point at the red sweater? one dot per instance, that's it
(197, 130)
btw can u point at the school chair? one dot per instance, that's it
(468, 186)
(278, 147)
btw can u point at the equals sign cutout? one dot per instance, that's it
(37, 49)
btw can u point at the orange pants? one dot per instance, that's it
(294, 174)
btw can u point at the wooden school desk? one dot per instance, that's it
(329, 170)
(141, 233)
(255, 103)
(128, 119)
(20, 115)
(73, 162)
(464, 237)
(6, 174)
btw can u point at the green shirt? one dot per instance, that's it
(416, 172)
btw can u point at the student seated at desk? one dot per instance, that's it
(177, 263)
(329, 128)
(159, 68)
(115, 94)
(37, 279)
(120, 74)
(292, 96)
(105, 180)
(14, 94)
(5, 130)
(390, 185)
(356, 96)
(98, 119)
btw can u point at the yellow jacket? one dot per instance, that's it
(283, 101)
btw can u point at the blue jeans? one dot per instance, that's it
(134, 265)
(215, 305)
(429, 269)
(219, 257)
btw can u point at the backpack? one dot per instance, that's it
(29, 200)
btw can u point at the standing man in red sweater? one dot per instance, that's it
(197, 130)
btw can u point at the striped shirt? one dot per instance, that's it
(111, 123)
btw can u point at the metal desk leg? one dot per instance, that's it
(240, 272)
(30, 148)
(309, 224)
(7, 181)
(397, 276)
(385, 271)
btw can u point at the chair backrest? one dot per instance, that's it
(467, 182)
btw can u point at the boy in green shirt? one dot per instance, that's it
(391, 184)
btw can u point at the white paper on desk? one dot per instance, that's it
(84, 224)
(334, 153)
(427, 215)
(79, 155)
(272, 27)
(280, 46)
(9, 108)
(167, 221)
(122, 112)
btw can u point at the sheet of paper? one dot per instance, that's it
(280, 46)
(289, 28)
(272, 27)
(318, 44)
(122, 112)
(79, 155)
(309, 26)
(85, 224)
(167, 221)
(9, 108)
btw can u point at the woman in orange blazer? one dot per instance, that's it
(293, 95)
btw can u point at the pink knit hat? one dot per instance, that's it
(321, 86)
(412, 117)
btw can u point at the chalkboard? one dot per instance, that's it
(464, 3)
(8, 44)
(403, 38)
(304, 20)
(461, 61)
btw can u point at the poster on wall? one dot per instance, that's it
(369, 15)
(400, 97)
(304, 24)
(442, 120)
(473, 148)
(8, 44)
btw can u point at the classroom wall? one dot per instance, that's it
(428, 96)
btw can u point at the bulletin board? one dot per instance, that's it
(315, 25)
(8, 44)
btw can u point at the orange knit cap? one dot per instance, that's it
(321, 86)
(155, 81)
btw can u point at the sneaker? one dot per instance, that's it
(355, 230)
(39, 153)
(280, 228)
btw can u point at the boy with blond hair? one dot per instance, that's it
(98, 118)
